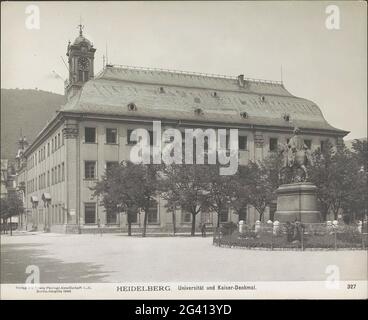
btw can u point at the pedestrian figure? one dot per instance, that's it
(297, 231)
(203, 229)
(289, 232)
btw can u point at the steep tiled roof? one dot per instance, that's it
(177, 95)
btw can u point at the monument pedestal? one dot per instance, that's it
(297, 201)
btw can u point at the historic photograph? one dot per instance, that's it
(184, 149)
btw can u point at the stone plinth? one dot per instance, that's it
(297, 201)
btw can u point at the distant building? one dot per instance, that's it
(91, 132)
(4, 178)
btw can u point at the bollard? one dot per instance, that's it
(276, 228)
(360, 225)
(241, 226)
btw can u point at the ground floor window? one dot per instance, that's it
(243, 214)
(186, 217)
(153, 212)
(206, 217)
(89, 213)
(132, 216)
(224, 215)
(111, 217)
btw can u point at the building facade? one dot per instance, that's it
(92, 132)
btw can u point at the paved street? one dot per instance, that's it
(118, 258)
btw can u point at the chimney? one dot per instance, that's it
(241, 82)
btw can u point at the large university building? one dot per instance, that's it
(92, 132)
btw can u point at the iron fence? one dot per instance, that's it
(296, 236)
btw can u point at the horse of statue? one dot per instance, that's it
(296, 156)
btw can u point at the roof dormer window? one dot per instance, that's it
(198, 111)
(244, 115)
(162, 90)
(262, 98)
(286, 117)
(132, 107)
(214, 94)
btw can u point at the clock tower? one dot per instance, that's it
(80, 59)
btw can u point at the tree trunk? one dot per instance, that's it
(174, 221)
(218, 219)
(129, 226)
(11, 229)
(261, 216)
(192, 233)
(145, 222)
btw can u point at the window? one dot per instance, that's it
(242, 143)
(90, 135)
(151, 137)
(129, 132)
(153, 212)
(56, 175)
(224, 215)
(323, 145)
(186, 217)
(52, 145)
(132, 216)
(90, 169)
(48, 178)
(111, 217)
(110, 164)
(111, 136)
(308, 143)
(62, 172)
(59, 173)
(58, 139)
(89, 213)
(273, 144)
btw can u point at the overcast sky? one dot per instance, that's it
(250, 38)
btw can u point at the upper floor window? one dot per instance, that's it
(323, 145)
(111, 135)
(308, 143)
(273, 144)
(242, 143)
(90, 169)
(62, 172)
(111, 164)
(90, 135)
(129, 141)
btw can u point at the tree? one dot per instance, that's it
(129, 187)
(4, 212)
(335, 173)
(259, 186)
(11, 206)
(357, 200)
(185, 186)
(220, 190)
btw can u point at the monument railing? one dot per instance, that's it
(296, 236)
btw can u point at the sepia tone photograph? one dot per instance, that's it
(184, 150)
